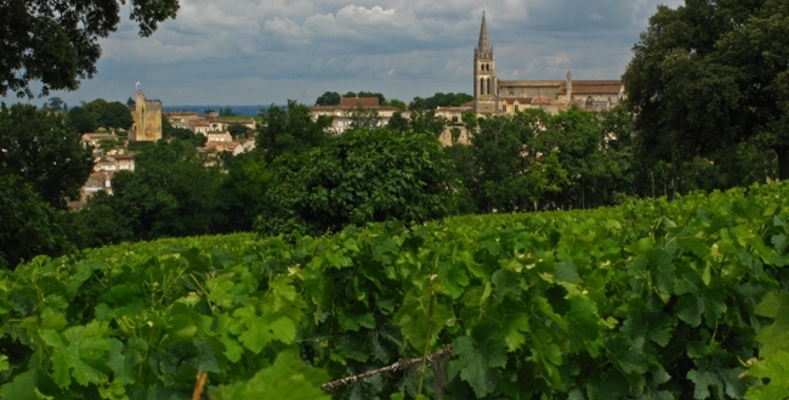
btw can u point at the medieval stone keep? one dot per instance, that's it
(147, 119)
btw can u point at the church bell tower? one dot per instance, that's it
(485, 85)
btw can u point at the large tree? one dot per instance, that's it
(44, 151)
(30, 226)
(362, 176)
(290, 130)
(56, 42)
(708, 75)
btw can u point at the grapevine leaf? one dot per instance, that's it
(506, 282)
(21, 387)
(122, 363)
(702, 380)
(610, 384)
(711, 303)
(629, 357)
(774, 367)
(413, 318)
(566, 271)
(354, 317)
(774, 337)
(288, 378)
(780, 241)
(513, 331)
(689, 309)
(582, 319)
(258, 331)
(473, 366)
(233, 350)
(453, 278)
(659, 262)
(73, 357)
(220, 291)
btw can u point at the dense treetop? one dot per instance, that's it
(56, 42)
(708, 75)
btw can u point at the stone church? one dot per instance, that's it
(496, 96)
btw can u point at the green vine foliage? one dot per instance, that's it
(648, 300)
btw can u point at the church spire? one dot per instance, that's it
(483, 49)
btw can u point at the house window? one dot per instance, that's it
(516, 108)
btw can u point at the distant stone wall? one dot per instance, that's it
(147, 119)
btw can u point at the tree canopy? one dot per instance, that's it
(708, 75)
(439, 100)
(289, 129)
(57, 42)
(44, 151)
(30, 226)
(361, 176)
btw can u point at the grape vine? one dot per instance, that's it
(648, 300)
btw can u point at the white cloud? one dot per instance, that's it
(264, 51)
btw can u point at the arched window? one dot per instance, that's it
(481, 85)
(488, 91)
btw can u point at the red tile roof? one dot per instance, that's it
(359, 101)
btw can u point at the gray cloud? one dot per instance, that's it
(261, 52)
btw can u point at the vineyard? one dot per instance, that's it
(648, 300)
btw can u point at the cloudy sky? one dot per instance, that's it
(258, 52)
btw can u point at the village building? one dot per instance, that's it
(94, 139)
(97, 181)
(218, 136)
(344, 113)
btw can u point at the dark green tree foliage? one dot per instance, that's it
(238, 131)
(708, 75)
(244, 190)
(45, 152)
(30, 226)
(55, 104)
(759, 50)
(397, 122)
(360, 177)
(102, 114)
(511, 175)
(399, 104)
(440, 100)
(381, 97)
(364, 118)
(110, 115)
(426, 121)
(81, 120)
(57, 42)
(227, 112)
(328, 99)
(101, 223)
(290, 130)
(170, 192)
(577, 138)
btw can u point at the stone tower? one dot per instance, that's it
(147, 119)
(485, 86)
